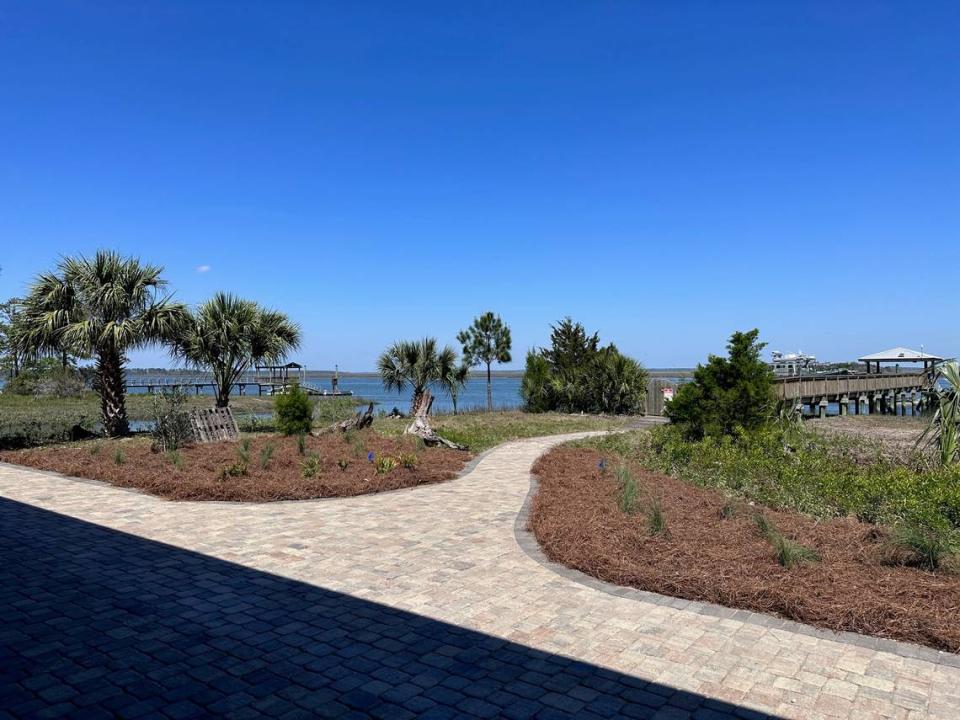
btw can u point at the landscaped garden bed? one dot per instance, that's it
(601, 509)
(258, 468)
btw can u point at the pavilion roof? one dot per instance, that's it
(900, 354)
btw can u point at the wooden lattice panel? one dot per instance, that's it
(214, 425)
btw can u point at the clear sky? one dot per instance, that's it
(663, 172)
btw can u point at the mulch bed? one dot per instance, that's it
(725, 560)
(200, 474)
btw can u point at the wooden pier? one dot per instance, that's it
(152, 385)
(884, 393)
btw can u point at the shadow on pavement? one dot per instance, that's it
(99, 623)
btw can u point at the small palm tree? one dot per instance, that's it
(227, 335)
(486, 341)
(102, 308)
(415, 364)
(455, 381)
(943, 433)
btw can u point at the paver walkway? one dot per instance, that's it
(418, 603)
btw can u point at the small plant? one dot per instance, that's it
(176, 459)
(656, 520)
(302, 444)
(118, 457)
(243, 451)
(790, 553)
(628, 490)
(171, 423)
(928, 546)
(343, 464)
(238, 469)
(266, 454)
(95, 449)
(293, 411)
(409, 460)
(310, 467)
(386, 465)
(728, 510)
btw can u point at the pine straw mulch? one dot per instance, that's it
(706, 557)
(200, 474)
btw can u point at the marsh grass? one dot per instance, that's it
(656, 520)
(927, 546)
(789, 552)
(310, 467)
(266, 454)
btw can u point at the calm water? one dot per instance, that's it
(506, 392)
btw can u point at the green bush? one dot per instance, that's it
(294, 411)
(727, 393)
(172, 429)
(576, 374)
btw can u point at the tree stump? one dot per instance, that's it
(363, 419)
(421, 424)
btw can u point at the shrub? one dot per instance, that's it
(343, 464)
(172, 429)
(386, 465)
(727, 393)
(294, 411)
(409, 460)
(310, 467)
(575, 374)
(627, 490)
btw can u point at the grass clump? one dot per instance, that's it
(176, 459)
(343, 464)
(409, 460)
(928, 546)
(302, 444)
(119, 458)
(627, 490)
(789, 552)
(266, 454)
(656, 520)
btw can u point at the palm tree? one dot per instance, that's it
(943, 433)
(101, 308)
(486, 341)
(228, 334)
(455, 381)
(415, 364)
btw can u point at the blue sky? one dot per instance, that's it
(663, 172)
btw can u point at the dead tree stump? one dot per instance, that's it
(421, 424)
(363, 419)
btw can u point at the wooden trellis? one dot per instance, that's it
(214, 425)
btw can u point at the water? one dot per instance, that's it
(506, 392)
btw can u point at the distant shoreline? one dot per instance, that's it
(186, 372)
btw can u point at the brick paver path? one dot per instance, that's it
(418, 603)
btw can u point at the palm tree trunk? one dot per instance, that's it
(111, 386)
(223, 395)
(489, 391)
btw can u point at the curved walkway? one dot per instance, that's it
(447, 553)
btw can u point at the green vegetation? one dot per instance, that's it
(386, 465)
(927, 546)
(172, 429)
(789, 553)
(310, 467)
(100, 308)
(576, 375)
(486, 341)
(293, 411)
(266, 455)
(627, 490)
(791, 467)
(656, 520)
(417, 364)
(943, 434)
(227, 335)
(480, 431)
(727, 393)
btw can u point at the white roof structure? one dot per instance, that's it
(901, 354)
